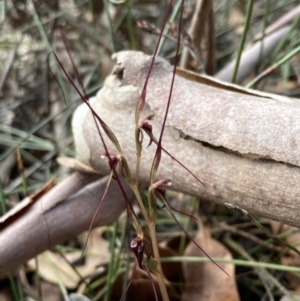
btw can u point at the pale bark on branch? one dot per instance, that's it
(243, 145)
(62, 213)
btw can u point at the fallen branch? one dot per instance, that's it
(62, 213)
(242, 144)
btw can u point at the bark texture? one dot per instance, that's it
(242, 144)
(62, 213)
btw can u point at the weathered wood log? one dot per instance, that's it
(243, 145)
(62, 213)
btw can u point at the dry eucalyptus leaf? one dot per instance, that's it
(205, 281)
(76, 165)
(243, 145)
(52, 264)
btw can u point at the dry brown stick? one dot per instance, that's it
(197, 30)
(62, 213)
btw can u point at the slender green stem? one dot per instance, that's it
(261, 271)
(265, 24)
(2, 200)
(186, 226)
(160, 275)
(110, 272)
(270, 240)
(152, 232)
(122, 240)
(130, 25)
(2, 11)
(237, 262)
(168, 25)
(274, 67)
(243, 39)
(38, 279)
(14, 288)
(98, 283)
(21, 171)
(110, 25)
(47, 44)
(283, 42)
(138, 155)
(57, 275)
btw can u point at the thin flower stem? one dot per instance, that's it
(138, 155)
(160, 276)
(152, 232)
(137, 172)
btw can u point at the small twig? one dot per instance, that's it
(196, 31)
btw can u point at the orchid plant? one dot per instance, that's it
(145, 250)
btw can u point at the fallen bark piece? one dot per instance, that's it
(244, 146)
(62, 213)
(97, 255)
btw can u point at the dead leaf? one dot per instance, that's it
(237, 18)
(51, 292)
(50, 264)
(141, 286)
(76, 165)
(205, 281)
